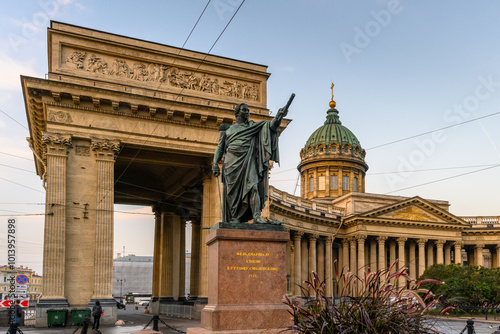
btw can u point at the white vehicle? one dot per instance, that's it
(144, 302)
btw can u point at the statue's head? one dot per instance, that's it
(242, 108)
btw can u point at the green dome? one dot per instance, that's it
(332, 132)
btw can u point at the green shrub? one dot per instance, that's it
(368, 304)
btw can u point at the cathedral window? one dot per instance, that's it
(345, 183)
(333, 182)
(321, 182)
(311, 184)
(355, 184)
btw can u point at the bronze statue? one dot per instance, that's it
(247, 148)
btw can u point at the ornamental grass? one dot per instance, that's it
(367, 304)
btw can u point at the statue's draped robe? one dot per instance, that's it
(247, 150)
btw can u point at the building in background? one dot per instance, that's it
(33, 284)
(132, 274)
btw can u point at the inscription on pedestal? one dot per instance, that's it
(252, 264)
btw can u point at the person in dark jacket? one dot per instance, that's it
(96, 313)
(18, 311)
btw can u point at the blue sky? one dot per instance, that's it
(400, 68)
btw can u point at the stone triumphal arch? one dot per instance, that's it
(121, 120)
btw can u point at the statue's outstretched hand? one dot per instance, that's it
(216, 170)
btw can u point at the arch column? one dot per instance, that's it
(458, 252)
(297, 237)
(105, 151)
(54, 267)
(421, 256)
(381, 252)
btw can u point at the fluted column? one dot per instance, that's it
(56, 152)
(381, 252)
(304, 258)
(182, 259)
(439, 251)
(478, 254)
(447, 253)
(312, 253)
(156, 253)
(352, 261)
(430, 254)
(421, 256)
(328, 266)
(401, 259)
(458, 252)
(195, 257)
(413, 260)
(105, 151)
(345, 254)
(297, 237)
(166, 256)
(373, 255)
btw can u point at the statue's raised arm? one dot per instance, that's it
(282, 112)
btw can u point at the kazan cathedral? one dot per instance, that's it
(335, 223)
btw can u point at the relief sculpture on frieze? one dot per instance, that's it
(170, 75)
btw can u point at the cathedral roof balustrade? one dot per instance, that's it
(483, 221)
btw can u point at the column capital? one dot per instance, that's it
(457, 243)
(421, 242)
(440, 242)
(297, 235)
(401, 240)
(329, 239)
(381, 239)
(345, 241)
(105, 149)
(56, 143)
(361, 237)
(313, 237)
(479, 246)
(497, 248)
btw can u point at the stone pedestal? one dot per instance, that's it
(246, 280)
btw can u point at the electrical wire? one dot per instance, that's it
(17, 156)
(21, 169)
(3, 112)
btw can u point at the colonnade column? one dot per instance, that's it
(195, 257)
(430, 254)
(373, 255)
(304, 261)
(447, 253)
(352, 262)
(381, 252)
(401, 259)
(478, 254)
(328, 266)
(439, 251)
(458, 252)
(56, 146)
(312, 254)
(392, 255)
(297, 262)
(106, 151)
(166, 261)
(361, 253)
(321, 259)
(497, 264)
(413, 261)
(345, 254)
(421, 256)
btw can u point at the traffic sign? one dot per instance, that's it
(22, 279)
(6, 303)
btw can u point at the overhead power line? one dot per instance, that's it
(3, 112)
(428, 132)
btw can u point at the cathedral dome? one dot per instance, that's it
(332, 162)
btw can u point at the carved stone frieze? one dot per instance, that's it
(160, 73)
(82, 150)
(56, 140)
(60, 116)
(411, 213)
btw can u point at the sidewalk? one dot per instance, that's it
(135, 320)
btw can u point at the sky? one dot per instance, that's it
(402, 70)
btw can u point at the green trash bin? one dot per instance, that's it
(56, 317)
(78, 314)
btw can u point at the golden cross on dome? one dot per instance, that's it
(332, 103)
